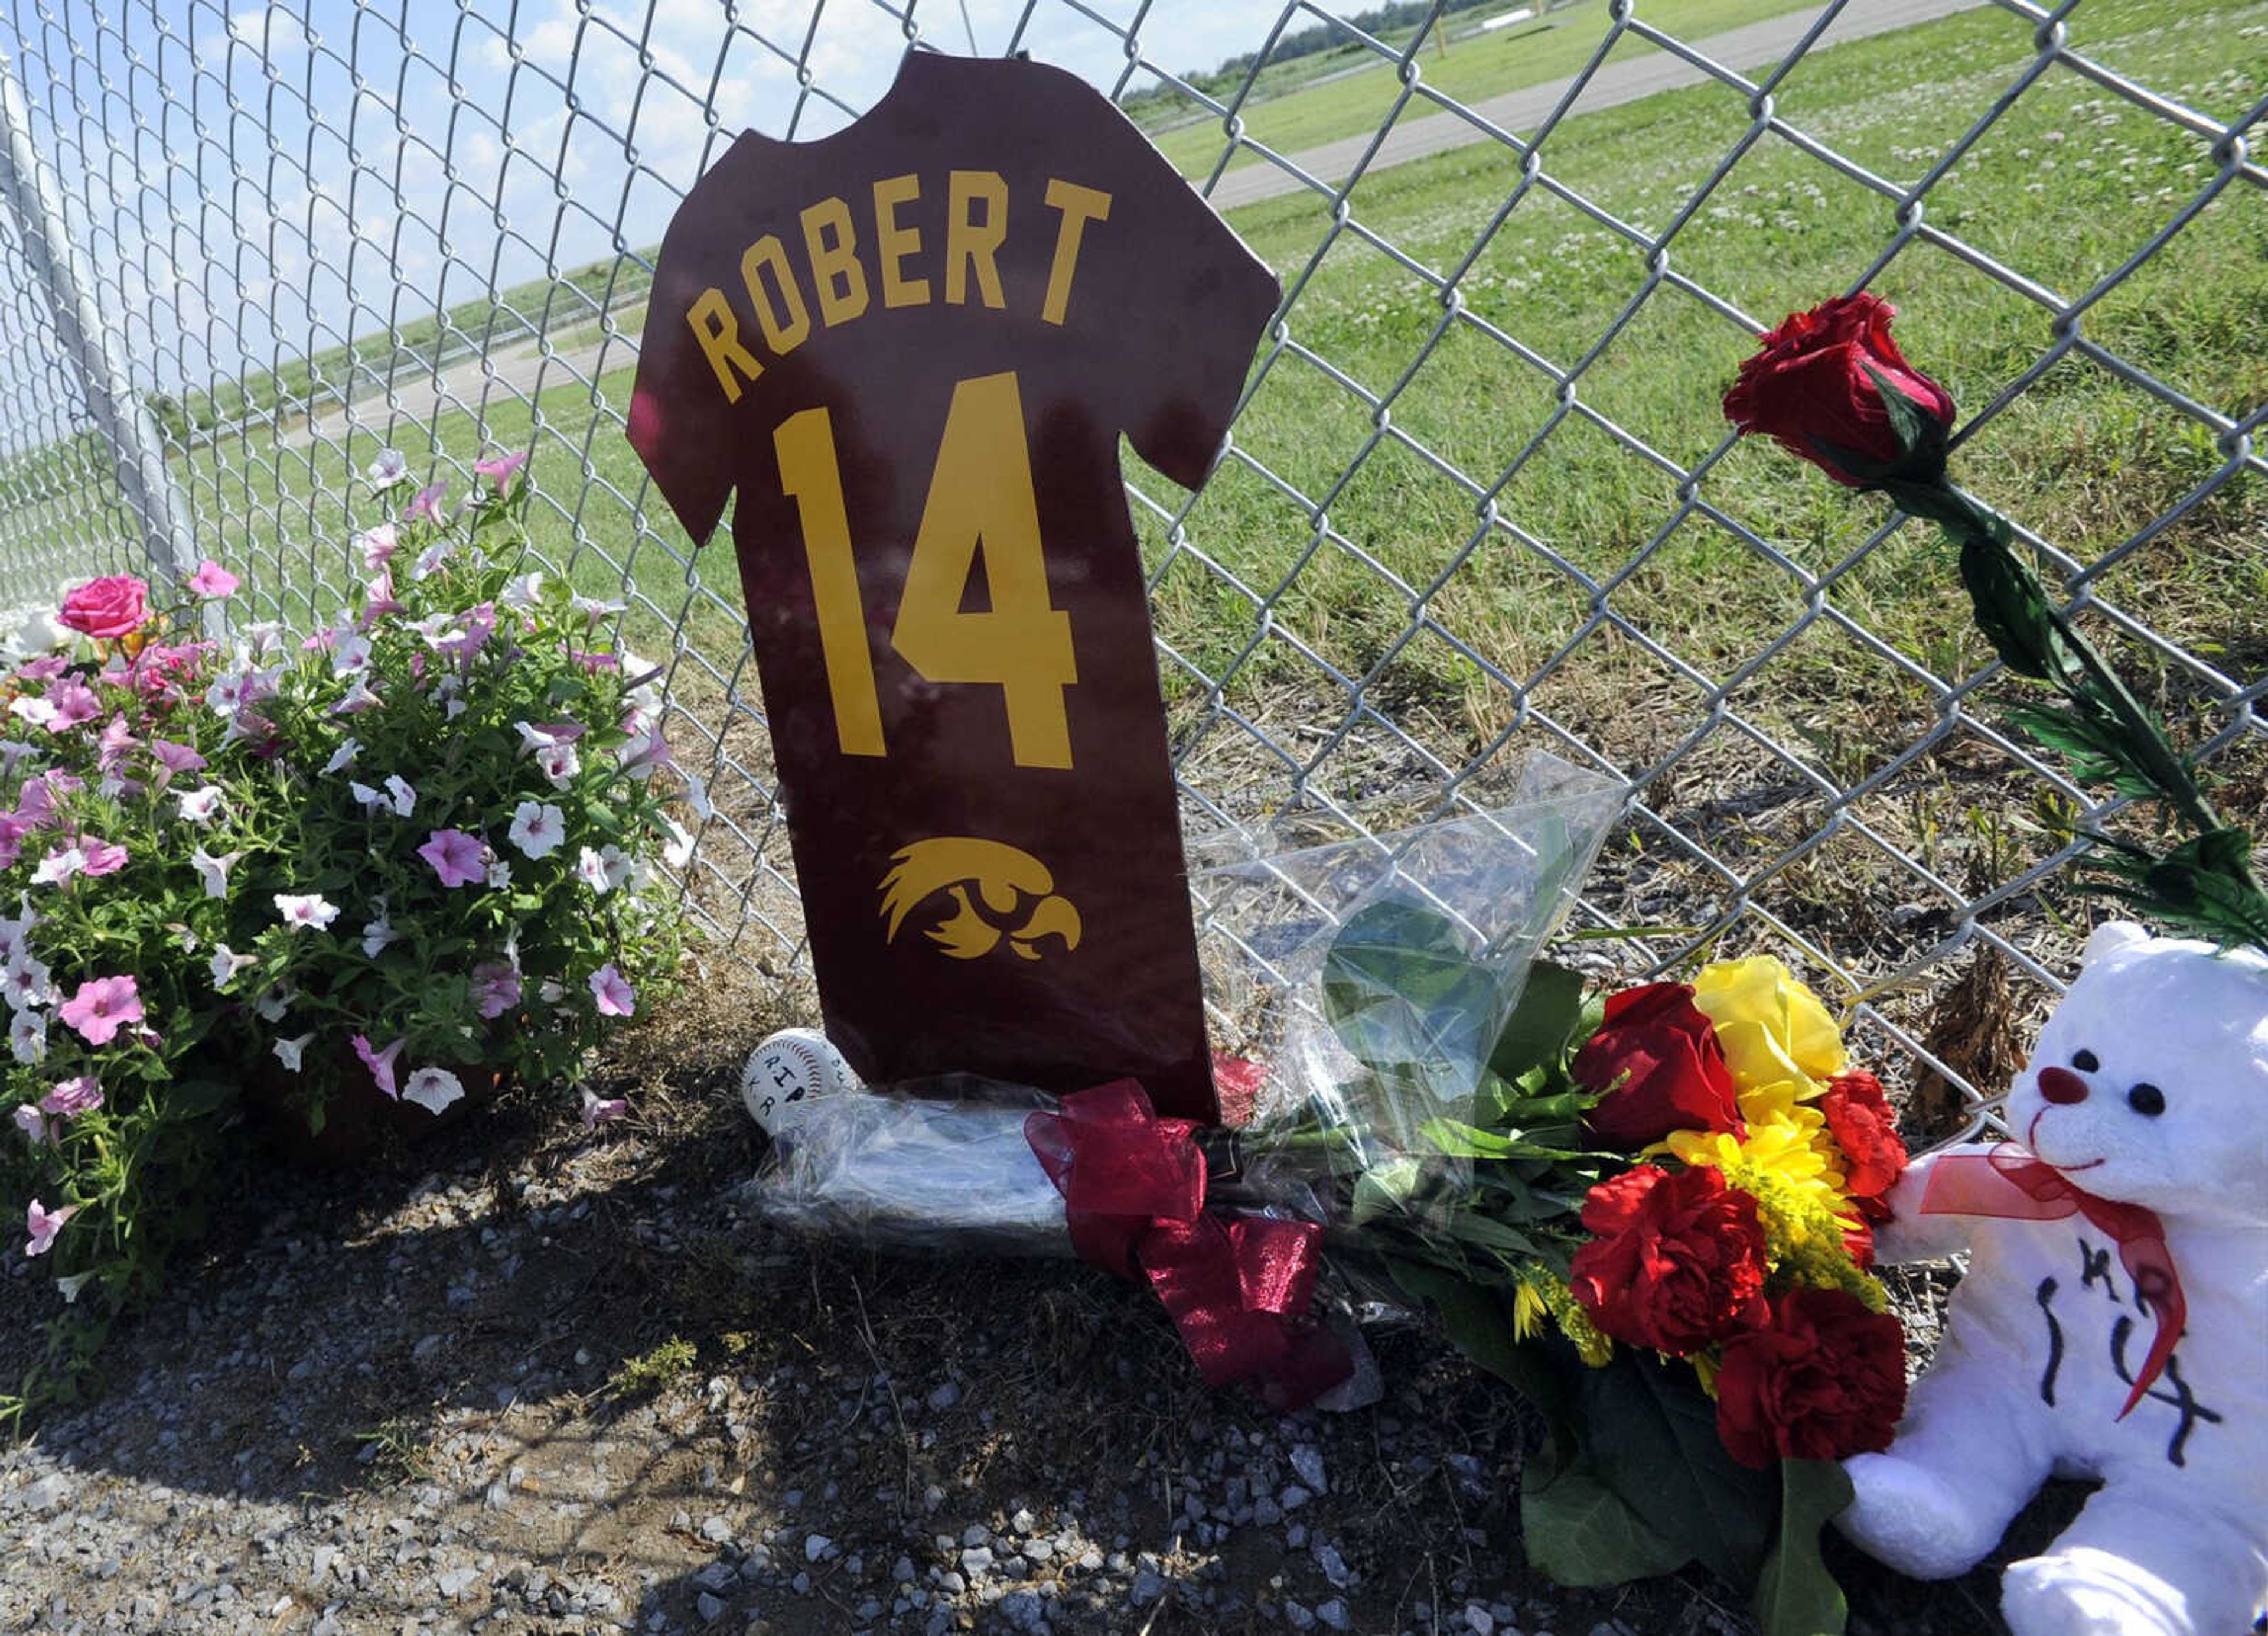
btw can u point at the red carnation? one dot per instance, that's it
(1677, 1261)
(1672, 1070)
(1825, 1379)
(1817, 390)
(1859, 1118)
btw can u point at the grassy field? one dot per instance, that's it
(1482, 65)
(1597, 601)
(561, 308)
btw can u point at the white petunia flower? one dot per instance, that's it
(214, 871)
(677, 852)
(404, 798)
(28, 1036)
(351, 656)
(289, 1051)
(499, 873)
(432, 1089)
(201, 805)
(523, 591)
(538, 829)
(226, 962)
(591, 869)
(303, 910)
(559, 764)
(343, 757)
(378, 934)
(274, 1002)
(25, 982)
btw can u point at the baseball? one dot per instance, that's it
(788, 1070)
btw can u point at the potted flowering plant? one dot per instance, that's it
(355, 874)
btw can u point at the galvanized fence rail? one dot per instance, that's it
(242, 251)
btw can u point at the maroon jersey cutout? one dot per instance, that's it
(911, 348)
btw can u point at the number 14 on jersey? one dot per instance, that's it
(979, 492)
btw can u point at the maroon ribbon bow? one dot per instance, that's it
(2011, 1183)
(1237, 1286)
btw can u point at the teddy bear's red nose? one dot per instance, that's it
(2061, 1085)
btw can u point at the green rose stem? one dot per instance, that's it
(1832, 388)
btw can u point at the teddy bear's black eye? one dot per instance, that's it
(2085, 1061)
(2146, 1100)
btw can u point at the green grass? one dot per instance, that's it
(561, 307)
(2065, 187)
(1481, 65)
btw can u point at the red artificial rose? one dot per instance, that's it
(1825, 1379)
(1665, 1052)
(1810, 390)
(1859, 1118)
(115, 606)
(1677, 1261)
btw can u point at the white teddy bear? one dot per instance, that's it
(2120, 1333)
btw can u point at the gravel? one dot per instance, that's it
(404, 1403)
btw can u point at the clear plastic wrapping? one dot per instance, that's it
(1369, 976)
(948, 1171)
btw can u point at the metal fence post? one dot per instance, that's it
(61, 270)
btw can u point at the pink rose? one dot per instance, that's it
(212, 580)
(116, 605)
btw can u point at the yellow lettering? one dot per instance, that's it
(782, 335)
(835, 270)
(1080, 205)
(893, 243)
(719, 332)
(970, 246)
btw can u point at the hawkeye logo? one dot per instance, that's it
(994, 890)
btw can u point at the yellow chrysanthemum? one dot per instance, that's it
(1772, 1029)
(1798, 1187)
(1530, 1309)
(1787, 1141)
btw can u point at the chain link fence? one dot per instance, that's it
(1478, 499)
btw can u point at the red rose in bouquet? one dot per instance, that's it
(1817, 388)
(1664, 1051)
(117, 605)
(1859, 1118)
(1826, 1379)
(1678, 1261)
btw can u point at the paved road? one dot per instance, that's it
(1756, 46)
(517, 372)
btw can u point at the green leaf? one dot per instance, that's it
(1459, 1140)
(1478, 1322)
(1403, 992)
(1541, 1024)
(1653, 1437)
(1795, 1595)
(1578, 1531)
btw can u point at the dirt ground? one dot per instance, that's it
(523, 1378)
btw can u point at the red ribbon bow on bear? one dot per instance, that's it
(1237, 1286)
(2011, 1183)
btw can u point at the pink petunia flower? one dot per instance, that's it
(598, 1110)
(101, 1007)
(455, 857)
(33, 1124)
(495, 989)
(103, 858)
(310, 909)
(378, 546)
(214, 582)
(501, 470)
(74, 704)
(176, 757)
(612, 991)
(380, 1063)
(425, 504)
(43, 1225)
(73, 1097)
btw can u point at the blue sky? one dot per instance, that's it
(254, 183)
